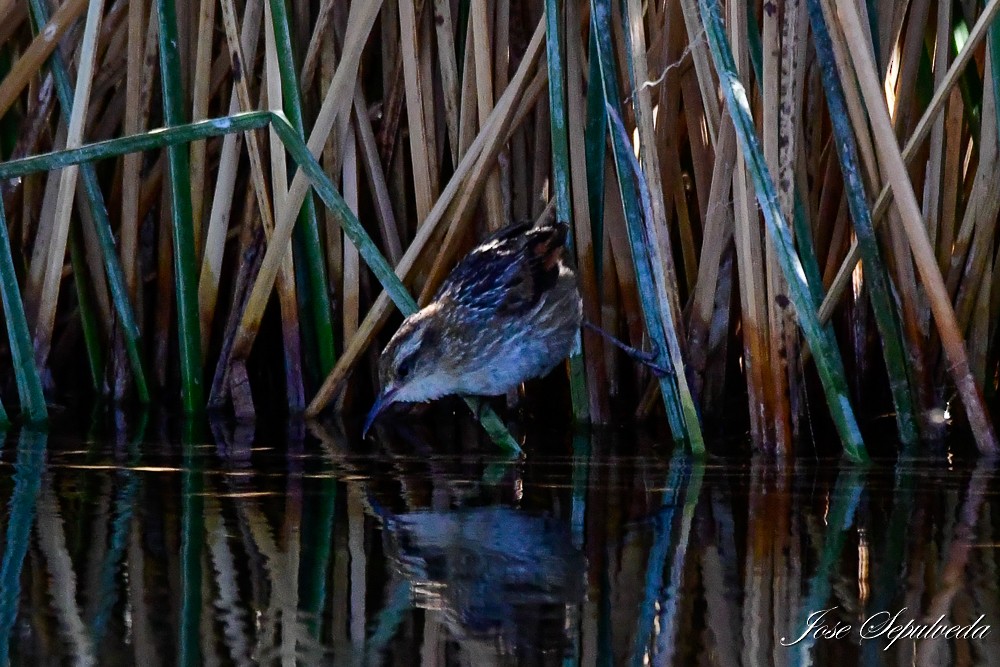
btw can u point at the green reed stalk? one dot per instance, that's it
(29, 385)
(160, 138)
(185, 266)
(886, 318)
(820, 340)
(121, 526)
(314, 297)
(681, 415)
(681, 412)
(102, 224)
(560, 181)
(669, 615)
(319, 518)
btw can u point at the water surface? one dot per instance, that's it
(165, 543)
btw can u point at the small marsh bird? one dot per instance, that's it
(507, 313)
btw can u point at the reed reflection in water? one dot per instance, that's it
(170, 543)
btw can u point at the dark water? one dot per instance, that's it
(170, 544)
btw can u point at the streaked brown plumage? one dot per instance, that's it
(507, 313)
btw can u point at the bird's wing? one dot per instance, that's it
(509, 272)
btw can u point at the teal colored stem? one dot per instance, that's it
(168, 136)
(560, 178)
(600, 15)
(29, 384)
(192, 542)
(314, 297)
(185, 266)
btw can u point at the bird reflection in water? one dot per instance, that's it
(496, 573)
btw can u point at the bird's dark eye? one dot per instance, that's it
(404, 368)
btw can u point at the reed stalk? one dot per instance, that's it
(102, 227)
(45, 300)
(337, 101)
(886, 317)
(920, 133)
(937, 294)
(178, 160)
(29, 385)
(42, 46)
(314, 297)
(659, 316)
(820, 340)
(558, 118)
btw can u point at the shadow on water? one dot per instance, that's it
(157, 543)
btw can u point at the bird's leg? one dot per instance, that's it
(648, 359)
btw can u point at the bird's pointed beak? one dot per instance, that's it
(383, 400)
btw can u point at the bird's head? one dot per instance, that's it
(413, 367)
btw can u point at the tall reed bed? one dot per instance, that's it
(794, 204)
